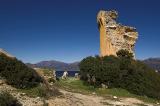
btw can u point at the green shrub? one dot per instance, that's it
(8, 100)
(51, 80)
(17, 73)
(41, 91)
(121, 72)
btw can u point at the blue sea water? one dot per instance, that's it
(70, 73)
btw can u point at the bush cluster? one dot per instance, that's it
(121, 72)
(8, 100)
(17, 73)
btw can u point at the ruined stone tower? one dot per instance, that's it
(113, 35)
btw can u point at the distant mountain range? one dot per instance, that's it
(153, 63)
(57, 65)
(61, 66)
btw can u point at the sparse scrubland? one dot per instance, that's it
(121, 72)
(123, 76)
(22, 80)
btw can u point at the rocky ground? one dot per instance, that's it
(69, 98)
(22, 97)
(73, 99)
(76, 99)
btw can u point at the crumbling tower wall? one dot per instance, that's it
(113, 35)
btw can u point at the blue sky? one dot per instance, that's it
(66, 30)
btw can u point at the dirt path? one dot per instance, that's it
(76, 99)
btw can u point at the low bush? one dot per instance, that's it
(121, 72)
(8, 100)
(41, 91)
(17, 73)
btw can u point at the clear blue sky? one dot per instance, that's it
(66, 30)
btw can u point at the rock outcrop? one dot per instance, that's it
(5, 53)
(113, 35)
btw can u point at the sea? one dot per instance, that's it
(70, 73)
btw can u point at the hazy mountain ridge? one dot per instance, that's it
(57, 65)
(61, 66)
(153, 63)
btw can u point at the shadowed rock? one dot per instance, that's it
(5, 53)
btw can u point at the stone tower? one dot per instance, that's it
(113, 35)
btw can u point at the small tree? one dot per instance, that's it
(124, 54)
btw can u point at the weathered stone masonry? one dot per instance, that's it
(113, 35)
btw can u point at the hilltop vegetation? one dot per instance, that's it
(121, 72)
(17, 73)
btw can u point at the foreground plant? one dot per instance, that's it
(8, 100)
